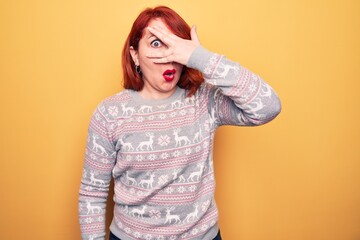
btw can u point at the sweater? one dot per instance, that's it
(159, 153)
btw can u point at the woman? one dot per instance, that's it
(155, 137)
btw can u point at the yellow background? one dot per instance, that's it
(296, 178)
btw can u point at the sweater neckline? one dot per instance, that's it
(136, 97)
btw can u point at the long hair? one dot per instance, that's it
(190, 79)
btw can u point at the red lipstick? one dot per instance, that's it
(169, 75)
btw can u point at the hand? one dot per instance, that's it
(178, 49)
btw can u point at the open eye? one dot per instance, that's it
(156, 43)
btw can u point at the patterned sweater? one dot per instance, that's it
(159, 153)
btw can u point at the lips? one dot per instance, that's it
(169, 75)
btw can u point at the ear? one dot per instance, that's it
(134, 55)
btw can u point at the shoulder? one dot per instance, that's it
(121, 97)
(110, 106)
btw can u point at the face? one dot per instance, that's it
(160, 80)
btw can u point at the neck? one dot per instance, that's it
(155, 95)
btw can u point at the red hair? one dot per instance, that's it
(190, 79)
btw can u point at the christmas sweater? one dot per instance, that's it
(159, 153)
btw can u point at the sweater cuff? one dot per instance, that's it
(199, 58)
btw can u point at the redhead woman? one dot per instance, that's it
(155, 137)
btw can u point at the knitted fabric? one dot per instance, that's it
(159, 153)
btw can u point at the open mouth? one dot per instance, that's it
(169, 75)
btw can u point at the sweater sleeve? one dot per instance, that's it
(99, 161)
(238, 96)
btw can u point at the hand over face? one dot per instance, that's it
(178, 49)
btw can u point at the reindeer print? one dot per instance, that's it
(148, 144)
(127, 146)
(224, 69)
(130, 180)
(196, 174)
(176, 104)
(193, 215)
(148, 183)
(138, 212)
(170, 217)
(93, 209)
(96, 181)
(198, 136)
(127, 110)
(180, 139)
(145, 109)
(97, 147)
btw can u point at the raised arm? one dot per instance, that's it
(239, 96)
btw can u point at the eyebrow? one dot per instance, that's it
(151, 35)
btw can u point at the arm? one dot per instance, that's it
(239, 97)
(100, 158)
(243, 99)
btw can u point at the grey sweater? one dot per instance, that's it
(159, 153)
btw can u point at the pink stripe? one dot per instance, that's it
(165, 199)
(146, 228)
(172, 162)
(93, 194)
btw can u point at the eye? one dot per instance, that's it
(156, 43)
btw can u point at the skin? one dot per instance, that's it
(160, 50)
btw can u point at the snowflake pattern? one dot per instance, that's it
(162, 116)
(181, 189)
(113, 111)
(163, 179)
(139, 158)
(176, 153)
(182, 112)
(151, 157)
(169, 190)
(88, 220)
(197, 149)
(137, 234)
(155, 214)
(172, 114)
(148, 236)
(252, 87)
(194, 231)
(164, 140)
(104, 160)
(192, 188)
(165, 155)
(204, 227)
